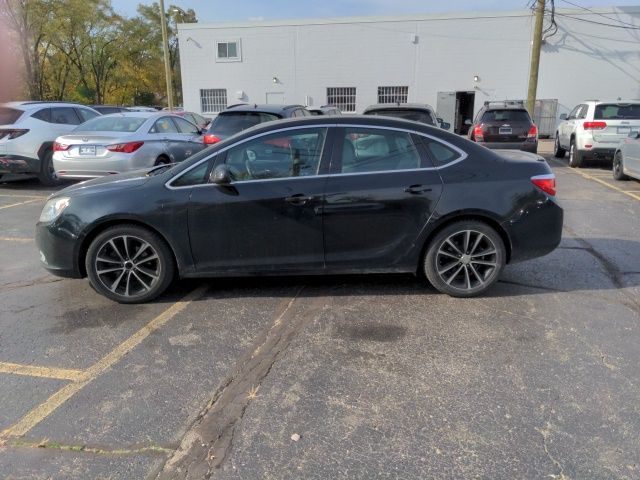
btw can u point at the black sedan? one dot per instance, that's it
(308, 196)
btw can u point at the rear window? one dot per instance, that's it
(112, 124)
(505, 116)
(617, 111)
(9, 115)
(414, 115)
(232, 123)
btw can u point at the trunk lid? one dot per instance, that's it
(91, 144)
(620, 119)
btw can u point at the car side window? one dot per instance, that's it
(440, 153)
(573, 114)
(86, 114)
(195, 176)
(64, 116)
(44, 115)
(163, 125)
(186, 127)
(583, 111)
(295, 153)
(376, 150)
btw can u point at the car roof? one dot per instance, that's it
(31, 105)
(260, 107)
(490, 105)
(141, 114)
(399, 106)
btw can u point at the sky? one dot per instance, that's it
(243, 10)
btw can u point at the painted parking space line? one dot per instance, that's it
(16, 239)
(45, 409)
(21, 203)
(40, 371)
(43, 197)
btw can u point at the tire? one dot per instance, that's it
(451, 268)
(161, 160)
(558, 151)
(129, 264)
(617, 167)
(576, 158)
(47, 174)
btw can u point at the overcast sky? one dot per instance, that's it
(223, 11)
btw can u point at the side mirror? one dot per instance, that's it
(221, 175)
(563, 116)
(445, 125)
(439, 120)
(467, 122)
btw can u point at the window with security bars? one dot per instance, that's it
(393, 94)
(342, 97)
(213, 100)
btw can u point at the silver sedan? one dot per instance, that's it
(122, 142)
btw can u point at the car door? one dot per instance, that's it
(567, 127)
(164, 135)
(188, 138)
(631, 151)
(379, 196)
(269, 218)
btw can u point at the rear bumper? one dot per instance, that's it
(93, 167)
(10, 163)
(599, 153)
(526, 146)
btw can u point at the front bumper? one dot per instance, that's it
(10, 163)
(526, 146)
(57, 249)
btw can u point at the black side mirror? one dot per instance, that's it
(221, 175)
(563, 116)
(445, 125)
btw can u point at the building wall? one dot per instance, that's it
(429, 54)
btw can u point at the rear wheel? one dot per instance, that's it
(47, 174)
(162, 160)
(464, 259)
(558, 151)
(576, 158)
(618, 173)
(129, 264)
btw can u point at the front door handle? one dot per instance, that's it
(298, 199)
(416, 189)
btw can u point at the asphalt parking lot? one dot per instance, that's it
(343, 377)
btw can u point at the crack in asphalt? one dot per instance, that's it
(210, 439)
(7, 287)
(546, 432)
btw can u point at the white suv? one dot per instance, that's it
(27, 132)
(594, 129)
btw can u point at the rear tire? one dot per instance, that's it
(47, 174)
(129, 264)
(464, 259)
(576, 158)
(161, 160)
(618, 173)
(558, 151)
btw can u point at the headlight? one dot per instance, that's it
(53, 208)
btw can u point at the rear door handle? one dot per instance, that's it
(416, 189)
(298, 199)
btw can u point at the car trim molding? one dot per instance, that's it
(462, 153)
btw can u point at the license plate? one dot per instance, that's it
(624, 130)
(505, 131)
(87, 149)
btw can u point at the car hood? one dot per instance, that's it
(120, 181)
(518, 155)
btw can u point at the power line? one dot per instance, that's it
(597, 23)
(599, 14)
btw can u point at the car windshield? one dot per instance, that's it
(617, 111)
(9, 115)
(232, 123)
(414, 115)
(505, 116)
(111, 124)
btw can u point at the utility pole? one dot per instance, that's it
(535, 57)
(165, 48)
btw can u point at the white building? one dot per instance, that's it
(454, 62)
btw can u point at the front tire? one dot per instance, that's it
(47, 174)
(618, 170)
(129, 264)
(464, 259)
(558, 151)
(576, 158)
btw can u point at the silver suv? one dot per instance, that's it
(593, 130)
(27, 133)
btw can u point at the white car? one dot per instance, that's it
(593, 130)
(626, 162)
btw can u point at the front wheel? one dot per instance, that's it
(618, 170)
(129, 264)
(464, 259)
(558, 151)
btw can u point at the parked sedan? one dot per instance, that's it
(122, 142)
(309, 196)
(626, 160)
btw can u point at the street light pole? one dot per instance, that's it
(167, 64)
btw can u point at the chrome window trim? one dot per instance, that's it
(463, 155)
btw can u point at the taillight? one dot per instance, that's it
(210, 139)
(13, 133)
(533, 132)
(125, 147)
(594, 125)
(546, 183)
(60, 147)
(478, 134)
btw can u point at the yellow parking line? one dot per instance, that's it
(43, 372)
(20, 203)
(16, 239)
(43, 197)
(43, 410)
